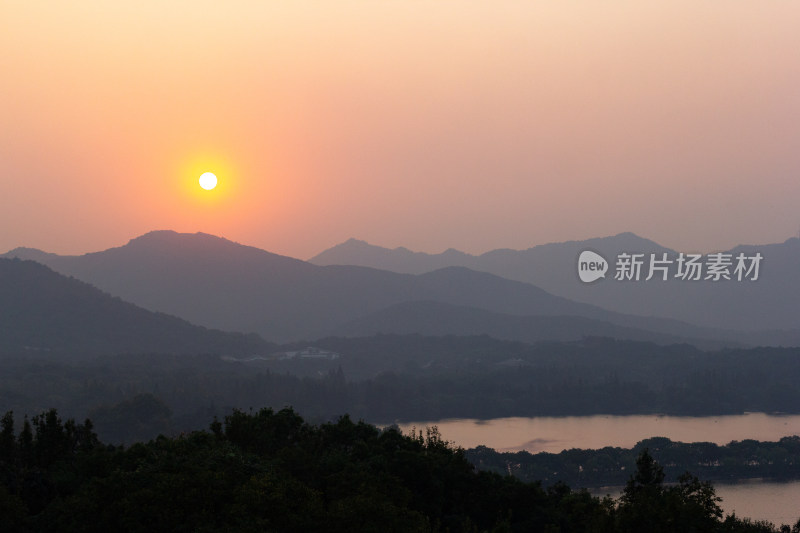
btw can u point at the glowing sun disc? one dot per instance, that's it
(208, 181)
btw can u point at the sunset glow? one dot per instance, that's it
(235, 235)
(493, 127)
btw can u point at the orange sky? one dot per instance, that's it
(430, 125)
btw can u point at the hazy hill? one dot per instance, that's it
(217, 283)
(402, 260)
(43, 312)
(772, 302)
(438, 319)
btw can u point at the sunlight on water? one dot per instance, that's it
(777, 502)
(554, 434)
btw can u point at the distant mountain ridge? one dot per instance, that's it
(438, 319)
(43, 312)
(217, 283)
(402, 260)
(770, 303)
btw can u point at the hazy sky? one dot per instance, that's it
(473, 125)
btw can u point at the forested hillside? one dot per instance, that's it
(384, 379)
(271, 471)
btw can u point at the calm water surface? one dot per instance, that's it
(554, 434)
(777, 502)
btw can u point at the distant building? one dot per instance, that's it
(308, 353)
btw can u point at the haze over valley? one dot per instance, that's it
(396, 346)
(217, 283)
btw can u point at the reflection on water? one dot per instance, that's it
(554, 434)
(777, 502)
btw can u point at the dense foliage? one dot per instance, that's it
(271, 471)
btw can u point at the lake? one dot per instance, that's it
(776, 502)
(554, 434)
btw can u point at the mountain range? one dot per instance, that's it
(772, 302)
(217, 283)
(45, 313)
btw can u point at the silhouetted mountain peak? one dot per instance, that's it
(452, 253)
(42, 311)
(628, 238)
(352, 241)
(170, 238)
(620, 241)
(197, 247)
(32, 254)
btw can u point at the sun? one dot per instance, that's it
(208, 181)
